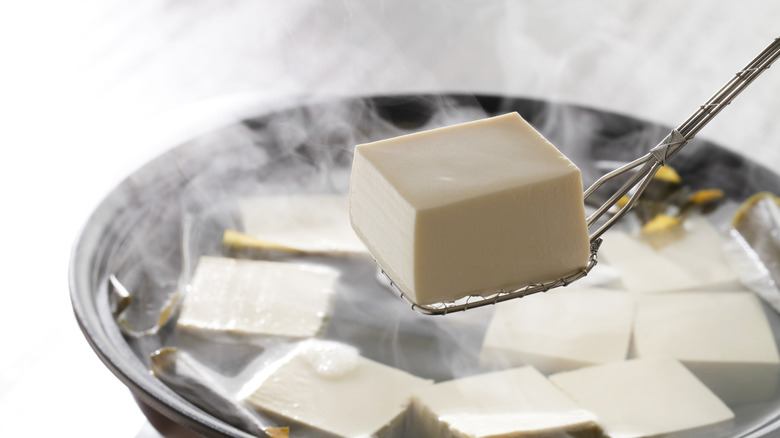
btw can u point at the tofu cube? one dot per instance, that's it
(328, 387)
(689, 258)
(231, 298)
(560, 330)
(469, 209)
(314, 223)
(722, 337)
(647, 398)
(519, 402)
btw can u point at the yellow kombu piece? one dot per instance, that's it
(127, 328)
(661, 222)
(749, 203)
(239, 241)
(168, 310)
(278, 432)
(704, 196)
(668, 174)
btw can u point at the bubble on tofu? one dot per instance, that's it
(469, 209)
(560, 330)
(518, 402)
(723, 337)
(647, 398)
(246, 299)
(328, 387)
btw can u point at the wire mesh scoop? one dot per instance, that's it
(644, 169)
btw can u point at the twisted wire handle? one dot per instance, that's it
(660, 154)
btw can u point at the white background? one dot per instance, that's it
(90, 90)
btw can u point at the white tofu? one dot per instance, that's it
(247, 298)
(469, 209)
(317, 223)
(560, 330)
(691, 258)
(647, 398)
(723, 337)
(329, 387)
(518, 402)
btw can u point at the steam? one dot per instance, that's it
(563, 52)
(308, 150)
(302, 150)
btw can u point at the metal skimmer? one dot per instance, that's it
(644, 169)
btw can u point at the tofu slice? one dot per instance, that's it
(519, 402)
(723, 337)
(560, 330)
(647, 398)
(310, 223)
(469, 209)
(693, 258)
(327, 386)
(247, 298)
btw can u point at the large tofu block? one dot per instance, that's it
(723, 337)
(304, 222)
(689, 258)
(647, 398)
(519, 402)
(469, 209)
(246, 298)
(560, 330)
(327, 386)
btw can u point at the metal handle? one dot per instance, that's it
(660, 154)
